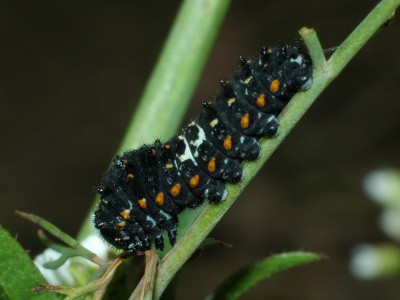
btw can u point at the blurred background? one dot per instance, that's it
(71, 74)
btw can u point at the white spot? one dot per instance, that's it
(298, 59)
(201, 137)
(214, 122)
(151, 220)
(271, 118)
(306, 84)
(202, 134)
(166, 216)
(177, 169)
(241, 139)
(224, 195)
(187, 154)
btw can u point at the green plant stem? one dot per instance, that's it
(174, 78)
(323, 75)
(364, 31)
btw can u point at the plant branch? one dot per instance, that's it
(324, 73)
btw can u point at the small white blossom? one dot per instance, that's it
(383, 186)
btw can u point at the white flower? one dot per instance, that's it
(76, 270)
(383, 186)
(369, 262)
(389, 222)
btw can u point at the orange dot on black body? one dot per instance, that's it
(244, 121)
(175, 190)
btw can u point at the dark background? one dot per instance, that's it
(70, 77)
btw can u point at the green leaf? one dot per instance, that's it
(18, 275)
(244, 279)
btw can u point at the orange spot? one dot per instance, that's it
(120, 225)
(269, 50)
(142, 203)
(124, 161)
(274, 86)
(160, 198)
(194, 181)
(228, 143)
(261, 100)
(176, 189)
(168, 166)
(244, 121)
(167, 146)
(211, 165)
(153, 151)
(130, 176)
(126, 214)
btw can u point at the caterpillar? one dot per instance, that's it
(144, 190)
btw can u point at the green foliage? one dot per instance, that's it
(18, 275)
(238, 283)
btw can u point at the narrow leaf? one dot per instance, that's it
(244, 279)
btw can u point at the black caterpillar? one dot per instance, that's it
(144, 190)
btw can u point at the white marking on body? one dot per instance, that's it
(271, 118)
(188, 154)
(201, 137)
(177, 169)
(166, 216)
(152, 221)
(241, 139)
(298, 59)
(306, 85)
(224, 195)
